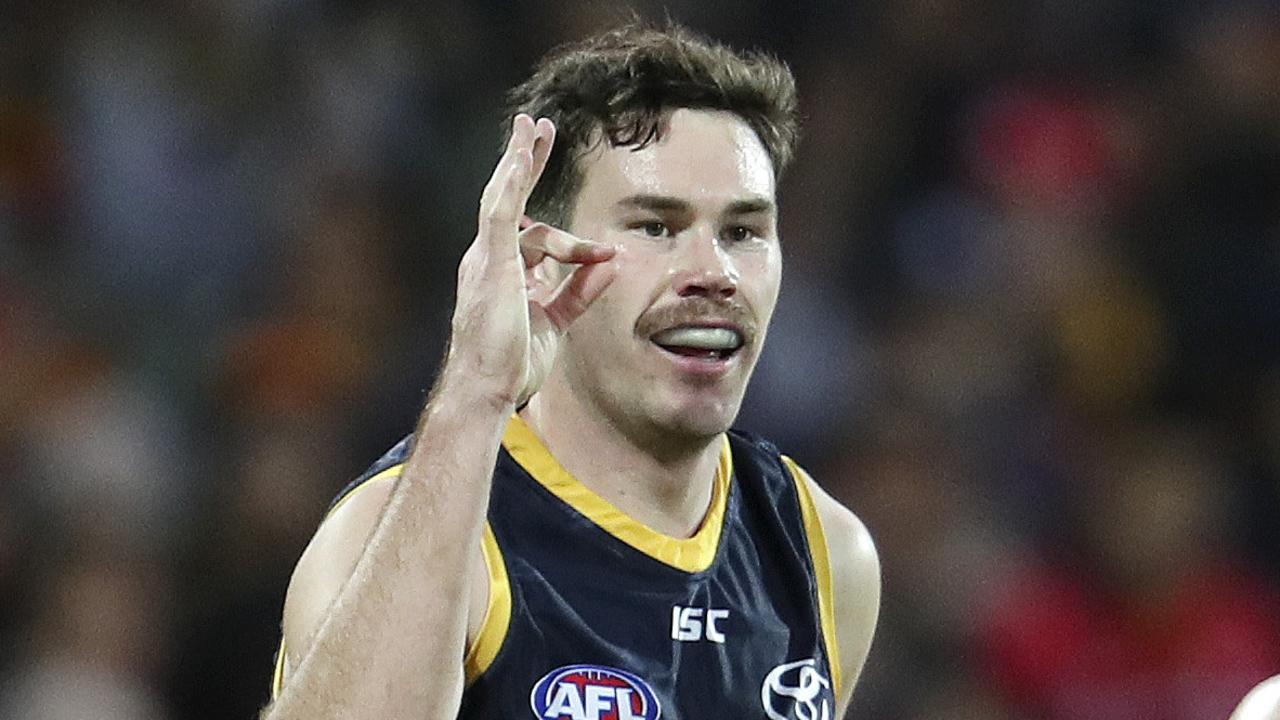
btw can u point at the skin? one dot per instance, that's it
(1262, 703)
(694, 223)
(682, 231)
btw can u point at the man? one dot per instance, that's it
(571, 532)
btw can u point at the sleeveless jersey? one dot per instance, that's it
(594, 616)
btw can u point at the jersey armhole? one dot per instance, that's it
(497, 614)
(493, 629)
(277, 676)
(820, 554)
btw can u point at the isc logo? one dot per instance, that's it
(687, 624)
(593, 692)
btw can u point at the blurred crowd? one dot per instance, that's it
(1029, 332)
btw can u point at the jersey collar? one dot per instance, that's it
(693, 554)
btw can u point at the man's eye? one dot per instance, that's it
(654, 229)
(739, 233)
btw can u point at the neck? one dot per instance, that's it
(664, 484)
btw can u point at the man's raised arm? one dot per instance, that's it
(387, 638)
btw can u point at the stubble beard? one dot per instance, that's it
(649, 417)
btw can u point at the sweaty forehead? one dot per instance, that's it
(703, 157)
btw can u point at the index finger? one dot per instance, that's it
(541, 240)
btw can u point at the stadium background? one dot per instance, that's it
(1028, 329)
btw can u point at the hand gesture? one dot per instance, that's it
(509, 320)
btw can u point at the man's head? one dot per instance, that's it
(668, 148)
(618, 87)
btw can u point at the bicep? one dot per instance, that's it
(328, 563)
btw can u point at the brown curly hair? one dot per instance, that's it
(623, 84)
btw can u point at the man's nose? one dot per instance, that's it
(705, 267)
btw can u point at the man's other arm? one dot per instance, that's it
(855, 570)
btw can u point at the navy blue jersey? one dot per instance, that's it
(594, 616)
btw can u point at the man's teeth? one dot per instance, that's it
(700, 338)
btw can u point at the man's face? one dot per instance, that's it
(669, 347)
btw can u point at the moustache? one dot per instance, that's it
(699, 311)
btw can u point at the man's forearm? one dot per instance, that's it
(392, 643)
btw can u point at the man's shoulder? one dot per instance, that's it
(739, 437)
(388, 464)
(855, 578)
(852, 550)
(751, 451)
(836, 519)
(394, 457)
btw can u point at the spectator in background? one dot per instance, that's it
(97, 643)
(1154, 616)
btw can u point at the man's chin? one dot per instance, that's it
(699, 421)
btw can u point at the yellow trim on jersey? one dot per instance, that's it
(694, 554)
(277, 677)
(821, 567)
(391, 472)
(497, 614)
(493, 629)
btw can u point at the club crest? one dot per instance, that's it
(797, 691)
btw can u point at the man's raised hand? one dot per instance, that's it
(509, 320)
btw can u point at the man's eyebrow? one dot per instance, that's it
(654, 202)
(666, 202)
(750, 206)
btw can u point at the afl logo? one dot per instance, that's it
(593, 692)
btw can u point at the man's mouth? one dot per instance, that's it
(706, 342)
